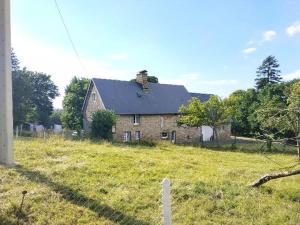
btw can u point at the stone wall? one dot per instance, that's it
(152, 126)
(91, 105)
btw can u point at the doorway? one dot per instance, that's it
(173, 137)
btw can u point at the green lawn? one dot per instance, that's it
(73, 182)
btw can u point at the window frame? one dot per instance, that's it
(127, 136)
(136, 119)
(137, 135)
(94, 97)
(113, 129)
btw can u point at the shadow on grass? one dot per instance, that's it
(79, 199)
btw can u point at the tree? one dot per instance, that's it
(284, 118)
(73, 101)
(21, 92)
(102, 122)
(33, 94)
(152, 79)
(14, 61)
(240, 105)
(55, 117)
(43, 93)
(211, 113)
(292, 120)
(268, 73)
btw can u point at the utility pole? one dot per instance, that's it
(6, 118)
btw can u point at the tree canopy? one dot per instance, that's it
(210, 113)
(268, 72)
(102, 122)
(33, 95)
(73, 101)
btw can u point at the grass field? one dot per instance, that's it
(80, 182)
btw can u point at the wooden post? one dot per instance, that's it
(166, 202)
(6, 118)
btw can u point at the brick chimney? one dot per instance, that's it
(142, 78)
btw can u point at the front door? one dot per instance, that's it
(173, 136)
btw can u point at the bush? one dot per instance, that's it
(102, 122)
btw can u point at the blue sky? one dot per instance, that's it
(208, 46)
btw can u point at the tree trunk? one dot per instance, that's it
(273, 176)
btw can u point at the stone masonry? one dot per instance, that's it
(152, 127)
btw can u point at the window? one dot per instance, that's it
(94, 97)
(113, 129)
(136, 119)
(138, 135)
(127, 136)
(164, 135)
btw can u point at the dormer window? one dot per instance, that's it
(136, 119)
(94, 97)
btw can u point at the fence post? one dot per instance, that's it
(44, 135)
(166, 202)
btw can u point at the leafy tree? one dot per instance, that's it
(14, 61)
(21, 93)
(293, 113)
(102, 122)
(75, 94)
(55, 117)
(211, 113)
(43, 93)
(268, 72)
(152, 79)
(277, 116)
(240, 105)
(33, 94)
(284, 118)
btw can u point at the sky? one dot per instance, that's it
(208, 46)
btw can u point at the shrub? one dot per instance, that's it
(102, 122)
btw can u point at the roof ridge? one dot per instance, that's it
(94, 78)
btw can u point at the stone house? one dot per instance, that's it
(146, 111)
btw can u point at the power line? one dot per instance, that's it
(69, 36)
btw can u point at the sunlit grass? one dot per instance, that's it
(80, 182)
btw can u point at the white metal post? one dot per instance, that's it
(166, 202)
(6, 118)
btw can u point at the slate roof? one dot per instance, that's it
(127, 97)
(201, 97)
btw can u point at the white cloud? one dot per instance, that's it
(119, 56)
(292, 75)
(269, 35)
(61, 64)
(293, 29)
(249, 50)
